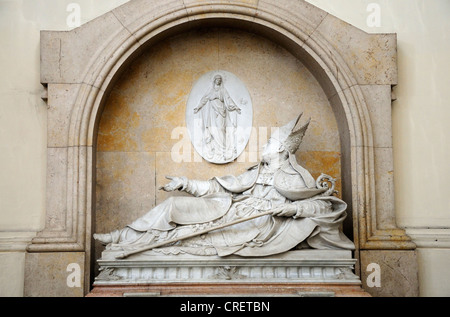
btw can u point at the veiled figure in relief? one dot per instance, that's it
(218, 124)
(299, 211)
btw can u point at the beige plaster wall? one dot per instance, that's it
(23, 125)
(419, 124)
(420, 116)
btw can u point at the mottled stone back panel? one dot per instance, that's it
(143, 123)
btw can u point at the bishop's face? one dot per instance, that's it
(272, 150)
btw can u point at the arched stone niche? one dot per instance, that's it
(142, 134)
(354, 70)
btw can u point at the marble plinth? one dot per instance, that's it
(303, 273)
(302, 266)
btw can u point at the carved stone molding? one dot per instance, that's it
(356, 71)
(302, 266)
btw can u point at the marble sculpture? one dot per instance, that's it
(273, 207)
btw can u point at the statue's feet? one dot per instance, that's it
(104, 238)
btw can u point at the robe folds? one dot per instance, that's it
(224, 199)
(219, 126)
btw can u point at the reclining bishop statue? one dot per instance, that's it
(273, 207)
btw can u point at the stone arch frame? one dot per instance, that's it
(79, 68)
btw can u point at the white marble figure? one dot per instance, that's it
(299, 212)
(218, 126)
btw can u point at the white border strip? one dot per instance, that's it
(15, 241)
(430, 237)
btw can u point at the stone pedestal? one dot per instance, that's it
(54, 274)
(295, 273)
(398, 272)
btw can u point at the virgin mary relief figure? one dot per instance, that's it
(219, 116)
(219, 124)
(282, 207)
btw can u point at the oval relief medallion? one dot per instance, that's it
(219, 116)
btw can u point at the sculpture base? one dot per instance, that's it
(294, 273)
(229, 290)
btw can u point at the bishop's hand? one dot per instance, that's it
(285, 210)
(176, 183)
